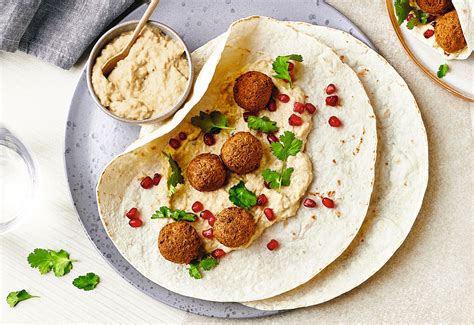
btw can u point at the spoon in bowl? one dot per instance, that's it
(111, 63)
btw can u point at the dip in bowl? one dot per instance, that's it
(151, 83)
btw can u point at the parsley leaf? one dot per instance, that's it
(86, 282)
(280, 66)
(277, 179)
(210, 123)
(289, 145)
(178, 215)
(402, 9)
(207, 264)
(194, 270)
(423, 16)
(46, 259)
(442, 70)
(241, 196)
(175, 176)
(15, 297)
(263, 124)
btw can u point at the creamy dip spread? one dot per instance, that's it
(149, 81)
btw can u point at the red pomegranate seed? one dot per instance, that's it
(156, 179)
(135, 223)
(197, 206)
(330, 89)
(409, 17)
(284, 98)
(272, 138)
(431, 18)
(269, 214)
(206, 214)
(246, 116)
(428, 33)
(291, 66)
(218, 253)
(273, 244)
(272, 106)
(174, 143)
(209, 139)
(298, 107)
(208, 233)
(211, 220)
(334, 122)
(295, 120)
(133, 213)
(182, 136)
(275, 91)
(266, 184)
(146, 182)
(328, 203)
(310, 108)
(309, 203)
(262, 200)
(332, 100)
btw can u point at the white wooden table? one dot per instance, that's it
(429, 279)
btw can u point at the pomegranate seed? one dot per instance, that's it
(182, 136)
(156, 179)
(218, 253)
(275, 91)
(266, 184)
(295, 120)
(197, 206)
(206, 214)
(291, 66)
(211, 220)
(330, 89)
(332, 100)
(334, 122)
(208, 233)
(209, 139)
(146, 182)
(246, 116)
(428, 33)
(174, 143)
(272, 138)
(135, 223)
(272, 106)
(298, 107)
(310, 108)
(328, 203)
(133, 213)
(409, 17)
(431, 18)
(262, 200)
(433, 23)
(309, 203)
(283, 98)
(269, 214)
(273, 244)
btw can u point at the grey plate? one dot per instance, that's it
(93, 138)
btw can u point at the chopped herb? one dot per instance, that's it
(175, 175)
(210, 123)
(289, 145)
(194, 270)
(15, 297)
(280, 66)
(46, 259)
(178, 215)
(277, 179)
(241, 196)
(86, 282)
(263, 124)
(442, 70)
(419, 17)
(207, 264)
(402, 10)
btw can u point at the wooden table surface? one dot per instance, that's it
(429, 279)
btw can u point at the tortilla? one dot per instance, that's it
(343, 166)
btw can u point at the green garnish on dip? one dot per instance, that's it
(442, 70)
(177, 215)
(242, 197)
(281, 65)
(211, 123)
(263, 124)
(277, 179)
(45, 260)
(206, 264)
(15, 297)
(403, 9)
(175, 175)
(86, 282)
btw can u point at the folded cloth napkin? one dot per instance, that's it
(57, 31)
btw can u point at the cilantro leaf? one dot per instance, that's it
(194, 270)
(210, 123)
(402, 9)
(46, 259)
(423, 16)
(175, 176)
(278, 179)
(208, 263)
(15, 297)
(178, 215)
(263, 124)
(289, 145)
(280, 66)
(442, 70)
(412, 23)
(86, 282)
(241, 196)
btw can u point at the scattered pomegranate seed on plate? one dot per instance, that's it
(428, 33)
(208, 233)
(291, 66)
(211, 220)
(133, 213)
(269, 214)
(334, 122)
(330, 89)
(209, 139)
(298, 107)
(272, 106)
(156, 179)
(309, 203)
(262, 200)
(246, 116)
(206, 214)
(295, 120)
(332, 100)
(135, 223)
(310, 108)
(273, 244)
(174, 143)
(182, 136)
(197, 206)
(284, 98)
(272, 138)
(328, 203)
(218, 253)
(146, 183)
(266, 184)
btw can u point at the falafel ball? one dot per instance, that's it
(206, 172)
(252, 91)
(234, 227)
(242, 153)
(435, 7)
(449, 34)
(179, 242)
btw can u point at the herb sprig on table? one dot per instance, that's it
(86, 282)
(46, 259)
(15, 297)
(442, 70)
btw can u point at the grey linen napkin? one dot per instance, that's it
(57, 31)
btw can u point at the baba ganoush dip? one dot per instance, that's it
(149, 81)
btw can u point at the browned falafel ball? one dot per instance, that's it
(449, 34)
(242, 153)
(234, 227)
(252, 91)
(179, 242)
(435, 7)
(206, 172)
